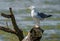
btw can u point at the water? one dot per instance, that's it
(1, 38)
(24, 19)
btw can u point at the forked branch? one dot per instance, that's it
(17, 31)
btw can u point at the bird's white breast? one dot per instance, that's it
(33, 13)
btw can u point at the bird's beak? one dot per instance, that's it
(29, 7)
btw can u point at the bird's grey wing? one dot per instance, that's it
(42, 15)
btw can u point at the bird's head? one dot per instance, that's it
(32, 7)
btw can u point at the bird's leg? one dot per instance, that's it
(37, 22)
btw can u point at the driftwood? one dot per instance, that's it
(35, 34)
(18, 32)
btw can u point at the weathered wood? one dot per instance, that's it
(18, 31)
(7, 30)
(35, 34)
(6, 16)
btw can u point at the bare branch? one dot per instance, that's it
(7, 30)
(18, 31)
(6, 16)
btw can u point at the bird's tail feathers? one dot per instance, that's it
(49, 15)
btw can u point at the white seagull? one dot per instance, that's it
(37, 16)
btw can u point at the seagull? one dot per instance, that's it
(37, 16)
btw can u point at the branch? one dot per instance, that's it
(7, 30)
(13, 20)
(18, 31)
(6, 16)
